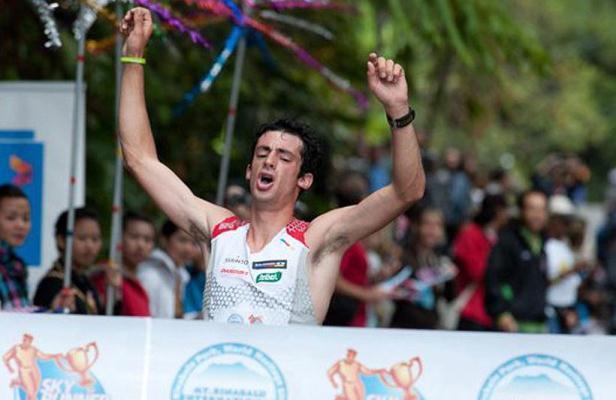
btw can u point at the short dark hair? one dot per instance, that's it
(8, 191)
(168, 228)
(133, 216)
(490, 205)
(522, 197)
(311, 145)
(61, 227)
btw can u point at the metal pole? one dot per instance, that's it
(231, 114)
(116, 208)
(68, 250)
(231, 117)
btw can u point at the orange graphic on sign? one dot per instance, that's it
(24, 356)
(403, 376)
(349, 370)
(22, 169)
(80, 360)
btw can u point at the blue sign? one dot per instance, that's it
(21, 164)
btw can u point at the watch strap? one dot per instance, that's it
(402, 121)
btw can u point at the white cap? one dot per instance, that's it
(561, 205)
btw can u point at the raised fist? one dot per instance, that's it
(136, 27)
(387, 82)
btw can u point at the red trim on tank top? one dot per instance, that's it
(226, 225)
(296, 229)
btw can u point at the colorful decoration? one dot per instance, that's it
(165, 15)
(297, 23)
(87, 16)
(311, 4)
(45, 12)
(230, 9)
(207, 80)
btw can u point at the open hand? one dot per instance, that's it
(136, 27)
(387, 82)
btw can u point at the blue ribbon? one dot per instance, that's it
(208, 79)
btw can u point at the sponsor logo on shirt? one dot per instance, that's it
(233, 271)
(236, 260)
(269, 277)
(235, 319)
(270, 264)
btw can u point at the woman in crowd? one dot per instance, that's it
(471, 250)
(81, 298)
(429, 270)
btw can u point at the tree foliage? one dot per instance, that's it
(517, 76)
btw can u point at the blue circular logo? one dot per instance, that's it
(235, 319)
(535, 376)
(229, 371)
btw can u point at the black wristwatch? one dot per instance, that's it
(402, 121)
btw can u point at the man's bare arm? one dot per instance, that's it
(171, 194)
(338, 229)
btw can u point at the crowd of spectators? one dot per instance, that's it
(477, 253)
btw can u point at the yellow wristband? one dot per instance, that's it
(133, 60)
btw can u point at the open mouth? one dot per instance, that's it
(265, 181)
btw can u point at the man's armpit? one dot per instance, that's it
(198, 233)
(332, 246)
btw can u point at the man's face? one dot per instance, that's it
(534, 212)
(274, 170)
(14, 220)
(180, 247)
(137, 242)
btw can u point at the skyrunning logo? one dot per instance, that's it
(229, 371)
(39, 375)
(535, 376)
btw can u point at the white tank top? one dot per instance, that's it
(268, 287)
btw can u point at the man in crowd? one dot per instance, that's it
(163, 274)
(516, 281)
(138, 237)
(273, 269)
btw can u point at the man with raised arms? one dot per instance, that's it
(272, 269)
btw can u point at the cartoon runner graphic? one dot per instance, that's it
(402, 375)
(28, 372)
(349, 370)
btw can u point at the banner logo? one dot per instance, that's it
(44, 376)
(360, 382)
(535, 376)
(229, 371)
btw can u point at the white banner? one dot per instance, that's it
(99, 358)
(35, 139)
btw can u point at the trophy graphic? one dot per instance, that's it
(80, 360)
(403, 376)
